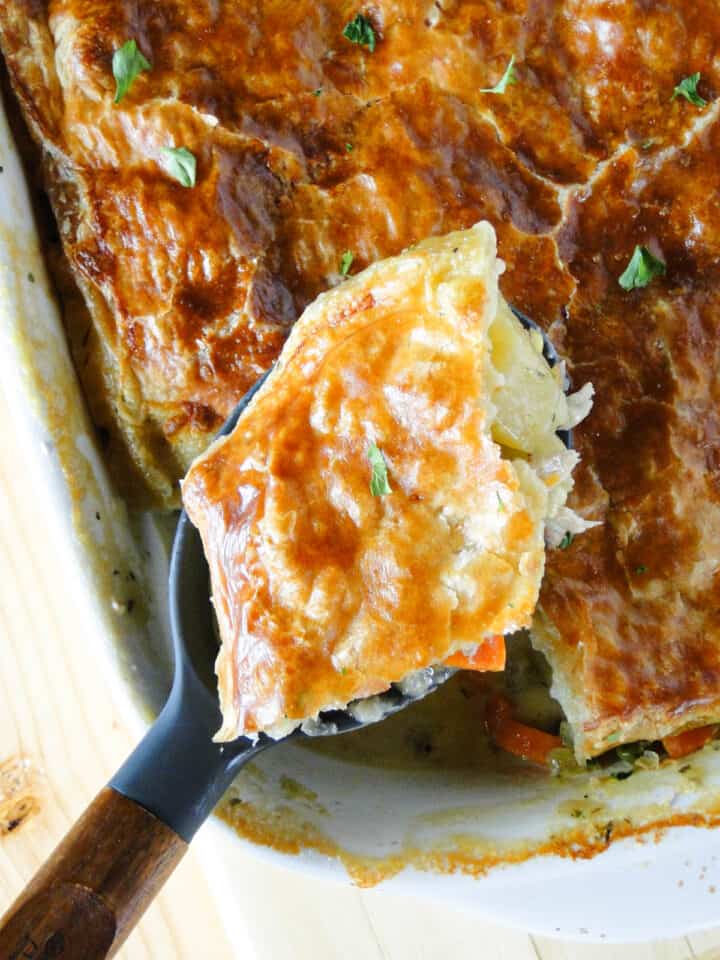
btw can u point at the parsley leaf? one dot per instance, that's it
(501, 505)
(127, 63)
(641, 569)
(379, 485)
(316, 93)
(180, 164)
(349, 147)
(688, 88)
(566, 541)
(643, 268)
(346, 263)
(359, 30)
(507, 78)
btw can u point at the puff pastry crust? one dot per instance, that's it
(191, 293)
(325, 593)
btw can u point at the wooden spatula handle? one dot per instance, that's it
(94, 887)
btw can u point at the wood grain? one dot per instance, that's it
(60, 734)
(96, 884)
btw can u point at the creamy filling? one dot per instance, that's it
(530, 406)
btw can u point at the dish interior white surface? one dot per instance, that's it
(370, 812)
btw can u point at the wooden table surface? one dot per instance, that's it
(61, 736)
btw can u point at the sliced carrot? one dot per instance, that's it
(516, 737)
(490, 655)
(688, 742)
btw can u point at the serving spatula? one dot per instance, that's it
(95, 886)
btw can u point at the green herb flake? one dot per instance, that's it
(630, 752)
(612, 738)
(295, 790)
(576, 813)
(359, 30)
(31, 277)
(127, 64)
(688, 88)
(566, 541)
(349, 147)
(507, 78)
(316, 93)
(379, 485)
(180, 164)
(641, 569)
(501, 504)
(346, 262)
(643, 268)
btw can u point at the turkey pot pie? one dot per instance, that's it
(383, 501)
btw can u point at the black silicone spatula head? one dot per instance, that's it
(178, 772)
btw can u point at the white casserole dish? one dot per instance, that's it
(374, 819)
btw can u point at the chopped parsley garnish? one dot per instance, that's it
(505, 80)
(379, 484)
(316, 93)
(31, 277)
(127, 63)
(180, 164)
(566, 541)
(641, 569)
(346, 263)
(501, 505)
(688, 88)
(359, 30)
(643, 268)
(349, 147)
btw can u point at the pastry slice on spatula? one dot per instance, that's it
(381, 504)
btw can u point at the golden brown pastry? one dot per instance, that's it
(306, 146)
(309, 145)
(362, 522)
(632, 608)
